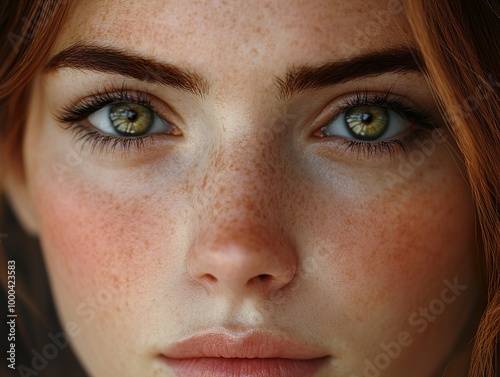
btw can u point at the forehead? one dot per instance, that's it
(259, 33)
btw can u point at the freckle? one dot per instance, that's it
(250, 206)
(351, 275)
(204, 181)
(217, 157)
(218, 206)
(185, 187)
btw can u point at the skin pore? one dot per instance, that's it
(247, 216)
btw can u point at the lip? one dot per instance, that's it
(251, 355)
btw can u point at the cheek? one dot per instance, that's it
(380, 255)
(385, 253)
(400, 236)
(396, 235)
(96, 238)
(398, 241)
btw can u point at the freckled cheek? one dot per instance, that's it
(402, 244)
(96, 240)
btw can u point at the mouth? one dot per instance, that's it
(252, 355)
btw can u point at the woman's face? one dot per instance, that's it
(287, 184)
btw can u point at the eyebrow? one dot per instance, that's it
(304, 78)
(296, 80)
(110, 60)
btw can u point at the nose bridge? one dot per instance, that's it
(244, 180)
(241, 243)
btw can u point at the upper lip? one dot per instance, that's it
(252, 345)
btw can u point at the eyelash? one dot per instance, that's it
(77, 112)
(74, 114)
(419, 116)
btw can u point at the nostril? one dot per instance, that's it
(211, 278)
(265, 278)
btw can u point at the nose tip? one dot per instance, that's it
(238, 266)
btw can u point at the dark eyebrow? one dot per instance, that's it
(304, 78)
(110, 60)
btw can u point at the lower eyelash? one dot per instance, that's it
(388, 147)
(96, 140)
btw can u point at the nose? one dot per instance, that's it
(245, 247)
(238, 257)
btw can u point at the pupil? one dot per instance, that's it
(366, 118)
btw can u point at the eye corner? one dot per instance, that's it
(319, 133)
(176, 131)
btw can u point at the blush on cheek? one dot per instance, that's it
(429, 237)
(400, 245)
(98, 239)
(388, 254)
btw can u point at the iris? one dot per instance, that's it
(131, 118)
(367, 122)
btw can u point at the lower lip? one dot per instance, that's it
(225, 367)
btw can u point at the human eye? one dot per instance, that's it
(115, 118)
(378, 124)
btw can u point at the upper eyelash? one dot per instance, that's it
(419, 115)
(82, 109)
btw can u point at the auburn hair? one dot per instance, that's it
(459, 42)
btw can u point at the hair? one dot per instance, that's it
(29, 29)
(459, 43)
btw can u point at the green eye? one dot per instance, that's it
(367, 122)
(131, 118)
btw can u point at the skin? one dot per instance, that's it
(145, 248)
